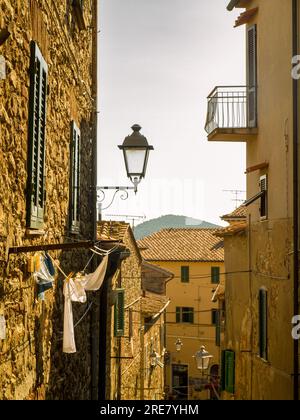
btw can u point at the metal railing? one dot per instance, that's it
(227, 108)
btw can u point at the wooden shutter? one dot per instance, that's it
(252, 75)
(263, 349)
(185, 274)
(178, 314)
(223, 369)
(75, 178)
(218, 327)
(229, 371)
(215, 275)
(37, 139)
(119, 313)
(263, 184)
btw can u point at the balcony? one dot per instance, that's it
(231, 114)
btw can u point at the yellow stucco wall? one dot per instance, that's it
(267, 248)
(197, 294)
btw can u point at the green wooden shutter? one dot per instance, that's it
(263, 347)
(37, 139)
(119, 313)
(178, 314)
(75, 178)
(218, 327)
(215, 275)
(229, 371)
(252, 75)
(185, 274)
(223, 370)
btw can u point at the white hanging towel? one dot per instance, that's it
(69, 345)
(94, 280)
(76, 289)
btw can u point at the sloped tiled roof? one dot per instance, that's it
(233, 229)
(153, 303)
(111, 231)
(238, 214)
(182, 245)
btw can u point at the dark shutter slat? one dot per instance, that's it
(230, 371)
(263, 324)
(75, 178)
(215, 275)
(252, 76)
(119, 314)
(37, 138)
(218, 328)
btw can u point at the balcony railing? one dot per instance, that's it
(228, 108)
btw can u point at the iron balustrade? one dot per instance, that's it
(227, 108)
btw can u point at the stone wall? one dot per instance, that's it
(32, 365)
(130, 377)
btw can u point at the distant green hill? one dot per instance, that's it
(169, 221)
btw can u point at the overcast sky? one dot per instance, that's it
(159, 59)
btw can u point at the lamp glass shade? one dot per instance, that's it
(202, 358)
(135, 161)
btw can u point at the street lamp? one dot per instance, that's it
(202, 358)
(178, 344)
(136, 153)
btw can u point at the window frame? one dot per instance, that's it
(182, 311)
(185, 274)
(213, 275)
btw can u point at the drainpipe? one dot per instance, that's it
(295, 197)
(95, 312)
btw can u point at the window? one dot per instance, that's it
(263, 324)
(75, 179)
(36, 193)
(185, 274)
(228, 371)
(263, 184)
(119, 313)
(215, 275)
(184, 315)
(252, 75)
(214, 314)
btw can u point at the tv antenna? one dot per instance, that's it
(133, 218)
(236, 199)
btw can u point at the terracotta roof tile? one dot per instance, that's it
(111, 231)
(233, 229)
(153, 303)
(182, 245)
(238, 214)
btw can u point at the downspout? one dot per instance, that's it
(295, 198)
(94, 325)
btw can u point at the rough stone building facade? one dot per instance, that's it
(47, 171)
(135, 327)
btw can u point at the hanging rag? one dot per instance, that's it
(75, 291)
(42, 277)
(69, 345)
(94, 280)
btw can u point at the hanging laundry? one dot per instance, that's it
(74, 291)
(69, 345)
(42, 276)
(49, 264)
(2, 327)
(94, 280)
